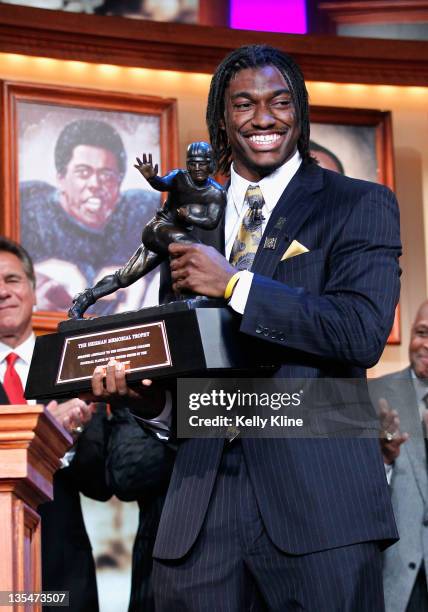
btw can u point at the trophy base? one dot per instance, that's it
(195, 337)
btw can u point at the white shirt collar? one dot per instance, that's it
(272, 186)
(23, 350)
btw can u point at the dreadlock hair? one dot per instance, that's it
(254, 56)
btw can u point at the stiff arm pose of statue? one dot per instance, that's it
(194, 199)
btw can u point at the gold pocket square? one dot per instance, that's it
(295, 248)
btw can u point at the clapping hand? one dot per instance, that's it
(72, 414)
(391, 436)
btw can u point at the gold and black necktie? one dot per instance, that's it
(245, 247)
(250, 233)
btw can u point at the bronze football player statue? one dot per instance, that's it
(194, 199)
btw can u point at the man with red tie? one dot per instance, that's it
(17, 299)
(67, 562)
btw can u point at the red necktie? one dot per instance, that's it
(12, 383)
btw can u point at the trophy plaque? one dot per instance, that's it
(184, 338)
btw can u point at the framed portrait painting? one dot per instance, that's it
(358, 143)
(72, 195)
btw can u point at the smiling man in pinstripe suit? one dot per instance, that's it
(285, 524)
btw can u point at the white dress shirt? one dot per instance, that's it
(22, 364)
(272, 187)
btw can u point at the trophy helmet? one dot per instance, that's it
(201, 151)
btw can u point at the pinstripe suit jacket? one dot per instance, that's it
(328, 312)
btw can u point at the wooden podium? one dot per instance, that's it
(31, 445)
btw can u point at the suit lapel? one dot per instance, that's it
(290, 213)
